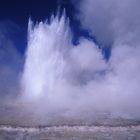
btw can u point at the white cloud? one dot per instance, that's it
(111, 20)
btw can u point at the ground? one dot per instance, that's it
(16, 125)
(131, 132)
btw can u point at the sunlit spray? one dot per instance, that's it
(48, 43)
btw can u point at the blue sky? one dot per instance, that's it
(15, 14)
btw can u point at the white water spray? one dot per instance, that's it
(57, 71)
(47, 46)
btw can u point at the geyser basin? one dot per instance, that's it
(71, 132)
(65, 91)
(63, 84)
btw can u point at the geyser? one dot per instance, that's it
(56, 71)
(75, 82)
(48, 44)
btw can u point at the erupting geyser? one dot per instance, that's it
(55, 69)
(66, 88)
(70, 80)
(48, 44)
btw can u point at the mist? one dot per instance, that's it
(77, 83)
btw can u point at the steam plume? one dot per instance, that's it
(70, 80)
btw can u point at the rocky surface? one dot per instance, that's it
(131, 132)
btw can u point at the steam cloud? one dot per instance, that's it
(59, 75)
(116, 24)
(75, 79)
